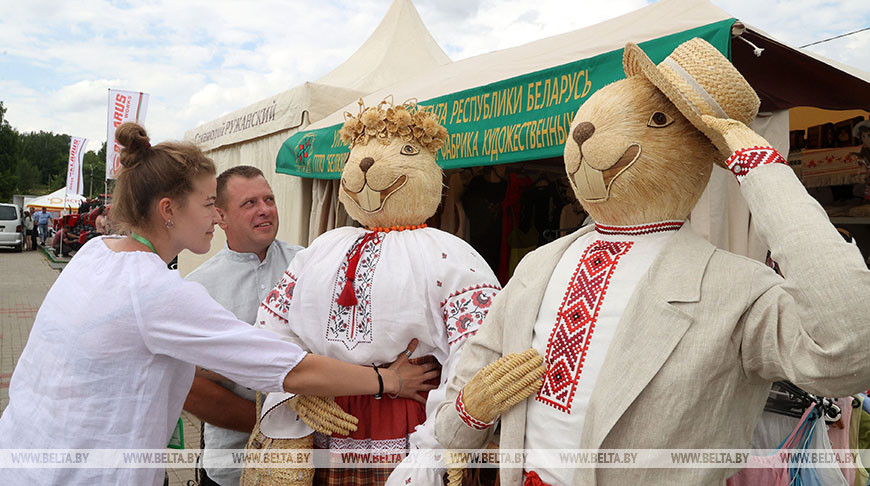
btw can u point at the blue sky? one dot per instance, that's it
(201, 59)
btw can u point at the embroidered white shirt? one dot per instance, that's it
(579, 314)
(110, 360)
(424, 283)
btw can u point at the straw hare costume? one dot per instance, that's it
(361, 294)
(653, 337)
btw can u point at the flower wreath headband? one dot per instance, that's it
(408, 121)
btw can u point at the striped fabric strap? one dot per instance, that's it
(640, 229)
(744, 160)
(467, 418)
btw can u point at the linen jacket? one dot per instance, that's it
(703, 336)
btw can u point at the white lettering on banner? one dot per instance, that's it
(74, 184)
(124, 106)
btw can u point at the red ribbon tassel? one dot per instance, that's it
(532, 479)
(348, 296)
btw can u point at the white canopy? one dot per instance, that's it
(280, 112)
(721, 215)
(399, 47)
(654, 21)
(55, 201)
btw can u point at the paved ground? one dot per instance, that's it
(24, 280)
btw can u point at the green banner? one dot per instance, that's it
(518, 119)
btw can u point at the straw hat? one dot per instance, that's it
(699, 80)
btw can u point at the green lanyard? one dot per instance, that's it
(141, 239)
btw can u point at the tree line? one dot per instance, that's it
(35, 163)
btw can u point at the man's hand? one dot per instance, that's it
(323, 415)
(216, 405)
(210, 375)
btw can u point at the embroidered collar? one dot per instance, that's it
(642, 229)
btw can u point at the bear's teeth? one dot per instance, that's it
(369, 199)
(590, 183)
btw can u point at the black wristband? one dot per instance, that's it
(380, 393)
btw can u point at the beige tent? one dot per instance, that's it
(658, 20)
(400, 46)
(721, 215)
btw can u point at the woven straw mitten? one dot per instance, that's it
(493, 391)
(323, 415)
(735, 135)
(503, 384)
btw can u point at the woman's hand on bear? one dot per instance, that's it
(411, 379)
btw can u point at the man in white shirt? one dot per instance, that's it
(238, 277)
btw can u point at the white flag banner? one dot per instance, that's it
(74, 183)
(123, 106)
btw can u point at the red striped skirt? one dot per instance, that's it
(381, 438)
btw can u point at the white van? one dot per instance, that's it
(11, 226)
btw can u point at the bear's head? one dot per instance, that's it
(391, 177)
(638, 151)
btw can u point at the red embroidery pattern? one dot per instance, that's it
(464, 311)
(644, 229)
(531, 478)
(575, 322)
(467, 418)
(466, 289)
(277, 302)
(352, 325)
(744, 160)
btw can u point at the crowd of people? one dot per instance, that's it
(70, 232)
(76, 230)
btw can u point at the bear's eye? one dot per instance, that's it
(659, 120)
(409, 150)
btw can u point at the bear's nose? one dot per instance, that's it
(366, 163)
(582, 132)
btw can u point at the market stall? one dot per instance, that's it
(828, 154)
(512, 108)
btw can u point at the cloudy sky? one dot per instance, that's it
(200, 59)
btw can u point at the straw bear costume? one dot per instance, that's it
(362, 294)
(651, 336)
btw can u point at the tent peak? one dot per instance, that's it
(400, 45)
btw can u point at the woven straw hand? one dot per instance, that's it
(736, 135)
(503, 384)
(323, 415)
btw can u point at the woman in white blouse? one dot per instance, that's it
(113, 349)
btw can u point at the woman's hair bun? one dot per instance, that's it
(134, 139)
